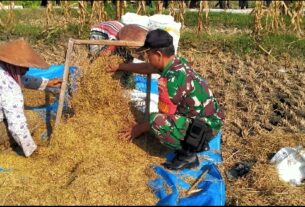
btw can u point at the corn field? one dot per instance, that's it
(8, 22)
(272, 18)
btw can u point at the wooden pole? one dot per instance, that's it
(93, 42)
(64, 83)
(109, 42)
(194, 185)
(147, 104)
(147, 109)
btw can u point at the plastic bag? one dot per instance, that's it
(290, 164)
(132, 18)
(167, 23)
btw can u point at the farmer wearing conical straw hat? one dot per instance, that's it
(189, 115)
(15, 59)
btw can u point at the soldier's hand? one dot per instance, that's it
(131, 133)
(125, 135)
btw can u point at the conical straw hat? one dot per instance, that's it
(133, 32)
(20, 53)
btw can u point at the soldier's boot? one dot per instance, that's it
(183, 159)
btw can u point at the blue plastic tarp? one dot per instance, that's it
(212, 188)
(141, 84)
(3, 170)
(54, 71)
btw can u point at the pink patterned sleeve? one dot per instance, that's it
(12, 108)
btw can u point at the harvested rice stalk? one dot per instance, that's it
(8, 22)
(117, 10)
(11, 13)
(120, 7)
(159, 7)
(206, 7)
(203, 6)
(123, 5)
(49, 13)
(66, 8)
(297, 14)
(87, 163)
(180, 14)
(82, 15)
(38, 98)
(171, 7)
(2, 24)
(259, 12)
(187, 3)
(141, 8)
(34, 122)
(274, 12)
(100, 95)
(98, 12)
(103, 14)
(200, 18)
(95, 14)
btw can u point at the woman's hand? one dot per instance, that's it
(113, 67)
(56, 82)
(106, 52)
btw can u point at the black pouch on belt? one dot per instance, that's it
(198, 135)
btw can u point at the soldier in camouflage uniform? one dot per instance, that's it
(183, 96)
(190, 93)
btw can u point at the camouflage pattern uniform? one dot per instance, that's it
(189, 96)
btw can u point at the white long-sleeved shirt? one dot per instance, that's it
(12, 108)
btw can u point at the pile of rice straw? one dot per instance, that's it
(85, 162)
(35, 124)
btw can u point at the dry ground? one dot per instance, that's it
(263, 100)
